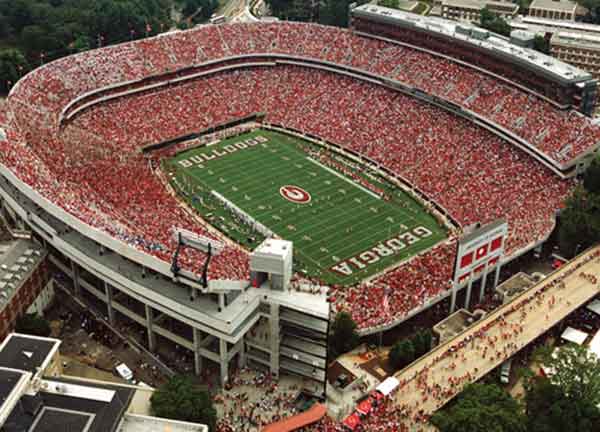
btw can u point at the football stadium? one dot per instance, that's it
(301, 194)
(205, 183)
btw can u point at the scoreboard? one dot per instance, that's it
(480, 251)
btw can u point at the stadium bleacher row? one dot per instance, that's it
(561, 135)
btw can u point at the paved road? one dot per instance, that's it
(232, 9)
(431, 382)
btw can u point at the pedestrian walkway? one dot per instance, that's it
(429, 383)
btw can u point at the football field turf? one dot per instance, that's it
(342, 231)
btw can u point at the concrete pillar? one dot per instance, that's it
(197, 356)
(497, 276)
(108, 290)
(224, 362)
(274, 324)
(75, 273)
(468, 296)
(453, 297)
(483, 282)
(149, 327)
(21, 224)
(242, 353)
(221, 297)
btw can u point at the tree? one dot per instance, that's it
(492, 22)
(344, 337)
(394, 4)
(12, 66)
(422, 342)
(549, 409)
(579, 222)
(334, 13)
(576, 372)
(180, 399)
(541, 44)
(481, 408)
(33, 324)
(523, 6)
(402, 354)
(591, 177)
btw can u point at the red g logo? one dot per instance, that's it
(295, 194)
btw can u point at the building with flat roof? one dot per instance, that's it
(35, 397)
(25, 285)
(572, 42)
(554, 9)
(577, 48)
(543, 26)
(470, 10)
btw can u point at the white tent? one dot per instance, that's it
(594, 306)
(595, 344)
(388, 385)
(573, 335)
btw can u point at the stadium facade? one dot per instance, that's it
(116, 244)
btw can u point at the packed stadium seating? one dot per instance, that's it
(562, 135)
(90, 166)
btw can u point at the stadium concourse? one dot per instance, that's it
(76, 126)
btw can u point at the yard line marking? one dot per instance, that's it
(364, 189)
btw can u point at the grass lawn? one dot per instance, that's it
(342, 231)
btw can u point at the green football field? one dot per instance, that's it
(342, 231)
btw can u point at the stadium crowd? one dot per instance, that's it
(560, 134)
(91, 166)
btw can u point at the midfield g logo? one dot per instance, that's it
(295, 194)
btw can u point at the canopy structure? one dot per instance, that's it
(314, 414)
(352, 421)
(573, 335)
(594, 306)
(595, 344)
(365, 406)
(388, 385)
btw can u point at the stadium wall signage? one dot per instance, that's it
(384, 249)
(198, 159)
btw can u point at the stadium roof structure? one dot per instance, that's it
(547, 25)
(481, 38)
(577, 39)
